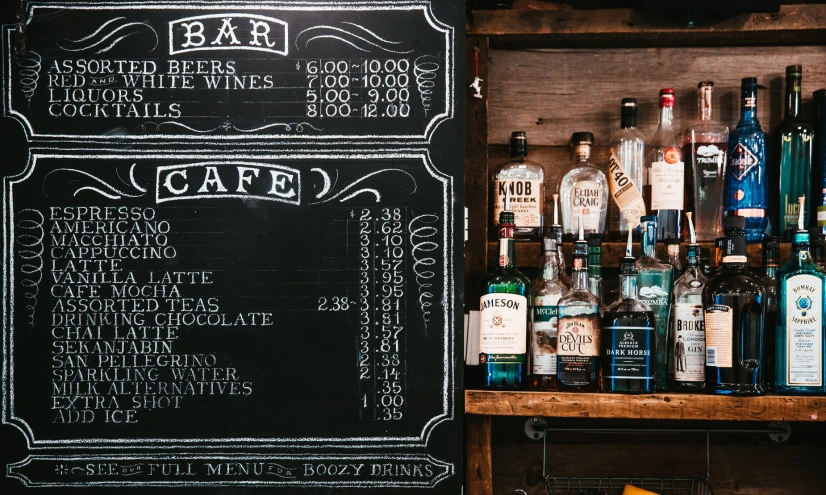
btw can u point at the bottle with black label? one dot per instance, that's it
(545, 294)
(523, 182)
(734, 305)
(629, 336)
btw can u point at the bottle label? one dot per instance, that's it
(503, 328)
(719, 322)
(544, 326)
(821, 216)
(586, 202)
(667, 183)
(804, 330)
(742, 161)
(689, 343)
(630, 353)
(625, 192)
(578, 336)
(527, 200)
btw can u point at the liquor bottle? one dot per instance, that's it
(747, 185)
(771, 252)
(503, 327)
(556, 233)
(819, 248)
(705, 143)
(523, 181)
(654, 280)
(686, 336)
(705, 261)
(796, 148)
(801, 325)
(663, 176)
(578, 350)
(628, 144)
(595, 267)
(672, 255)
(629, 336)
(545, 294)
(583, 190)
(719, 249)
(819, 163)
(734, 305)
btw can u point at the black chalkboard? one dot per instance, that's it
(232, 246)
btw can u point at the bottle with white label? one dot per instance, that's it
(503, 325)
(734, 306)
(663, 175)
(583, 190)
(545, 294)
(523, 181)
(801, 326)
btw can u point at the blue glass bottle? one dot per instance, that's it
(747, 186)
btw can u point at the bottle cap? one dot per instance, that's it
(594, 241)
(549, 244)
(667, 97)
(705, 84)
(671, 241)
(579, 138)
(733, 222)
(519, 144)
(629, 103)
(794, 71)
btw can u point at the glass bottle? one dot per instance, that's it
(705, 261)
(672, 255)
(523, 181)
(819, 163)
(771, 252)
(503, 332)
(654, 280)
(801, 325)
(583, 190)
(734, 305)
(556, 233)
(628, 143)
(747, 186)
(819, 248)
(796, 146)
(664, 173)
(629, 336)
(545, 293)
(595, 267)
(578, 350)
(705, 144)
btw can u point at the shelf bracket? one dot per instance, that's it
(535, 428)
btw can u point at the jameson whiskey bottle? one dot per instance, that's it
(578, 350)
(771, 252)
(545, 292)
(801, 325)
(523, 181)
(664, 173)
(583, 190)
(796, 146)
(503, 331)
(734, 303)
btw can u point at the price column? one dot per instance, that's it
(366, 317)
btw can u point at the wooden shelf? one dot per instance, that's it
(656, 406)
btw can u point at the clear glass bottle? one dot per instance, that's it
(583, 190)
(629, 145)
(747, 183)
(545, 294)
(629, 337)
(819, 248)
(801, 324)
(734, 306)
(654, 281)
(705, 144)
(578, 338)
(557, 233)
(796, 146)
(672, 255)
(664, 173)
(595, 267)
(771, 252)
(503, 326)
(523, 181)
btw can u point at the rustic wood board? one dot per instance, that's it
(478, 469)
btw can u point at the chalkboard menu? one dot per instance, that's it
(232, 246)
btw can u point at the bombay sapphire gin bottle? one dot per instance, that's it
(801, 326)
(734, 303)
(583, 190)
(523, 182)
(747, 186)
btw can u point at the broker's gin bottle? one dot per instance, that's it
(583, 190)
(628, 144)
(734, 302)
(523, 182)
(664, 173)
(705, 145)
(747, 186)
(503, 332)
(545, 294)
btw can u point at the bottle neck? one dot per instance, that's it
(792, 97)
(579, 275)
(666, 119)
(579, 279)
(649, 241)
(770, 263)
(550, 267)
(704, 103)
(693, 256)
(801, 247)
(734, 252)
(628, 121)
(507, 246)
(748, 108)
(628, 286)
(582, 153)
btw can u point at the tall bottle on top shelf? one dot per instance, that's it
(503, 326)
(771, 253)
(801, 325)
(747, 185)
(523, 181)
(557, 233)
(664, 173)
(654, 281)
(796, 147)
(545, 293)
(583, 190)
(734, 304)
(578, 337)
(819, 168)
(705, 145)
(625, 173)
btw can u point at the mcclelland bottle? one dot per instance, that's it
(628, 143)
(503, 326)
(771, 252)
(545, 294)
(523, 181)
(629, 336)
(705, 143)
(583, 190)
(795, 145)
(663, 176)
(734, 302)
(747, 185)
(801, 325)
(578, 337)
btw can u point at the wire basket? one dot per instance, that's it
(615, 486)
